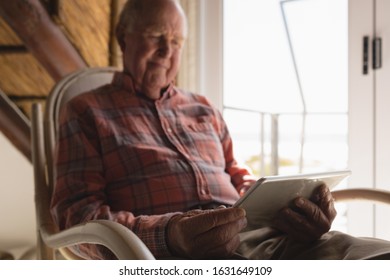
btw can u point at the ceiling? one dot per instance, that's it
(86, 24)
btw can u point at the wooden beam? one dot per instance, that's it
(5, 49)
(49, 46)
(115, 51)
(43, 38)
(15, 125)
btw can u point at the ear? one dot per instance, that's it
(120, 36)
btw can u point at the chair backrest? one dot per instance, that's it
(44, 130)
(116, 237)
(69, 87)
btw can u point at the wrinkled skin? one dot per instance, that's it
(152, 49)
(204, 234)
(308, 219)
(201, 234)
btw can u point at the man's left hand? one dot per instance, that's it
(307, 220)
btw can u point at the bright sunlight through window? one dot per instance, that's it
(285, 84)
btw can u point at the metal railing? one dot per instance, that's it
(274, 139)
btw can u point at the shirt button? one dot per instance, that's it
(169, 130)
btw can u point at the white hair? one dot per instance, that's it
(131, 11)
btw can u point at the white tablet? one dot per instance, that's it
(269, 194)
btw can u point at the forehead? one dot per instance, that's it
(166, 18)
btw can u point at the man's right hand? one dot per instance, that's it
(201, 234)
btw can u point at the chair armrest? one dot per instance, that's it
(120, 240)
(374, 195)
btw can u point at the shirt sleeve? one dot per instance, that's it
(79, 194)
(241, 176)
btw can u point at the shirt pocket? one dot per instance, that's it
(199, 127)
(203, 141)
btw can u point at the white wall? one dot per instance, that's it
(210, 54)
(17, 212)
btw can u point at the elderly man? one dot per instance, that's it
(159, 160)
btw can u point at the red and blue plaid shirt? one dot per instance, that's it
(126, 158)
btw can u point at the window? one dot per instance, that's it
(285, 77)
(285, 83)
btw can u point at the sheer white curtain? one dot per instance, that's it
(188, 75)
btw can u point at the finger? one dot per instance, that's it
(296, 226)
(217, 240)
(297, 235)
(326, 203)
(312, 213)
(211, 219)
(319, 193)
(226, 240)
(193, 213)
(224, 250)
(219, 235)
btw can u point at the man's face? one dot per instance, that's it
(152, 50)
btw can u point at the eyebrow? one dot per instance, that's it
(159, 30)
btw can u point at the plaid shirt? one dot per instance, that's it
(123, 157)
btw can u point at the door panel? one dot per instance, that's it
(382, 116)
(361, 117)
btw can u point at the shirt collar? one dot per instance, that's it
(125, 81)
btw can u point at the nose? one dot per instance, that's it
(165, 48)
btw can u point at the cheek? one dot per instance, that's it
(136, 62)
(175, 64)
